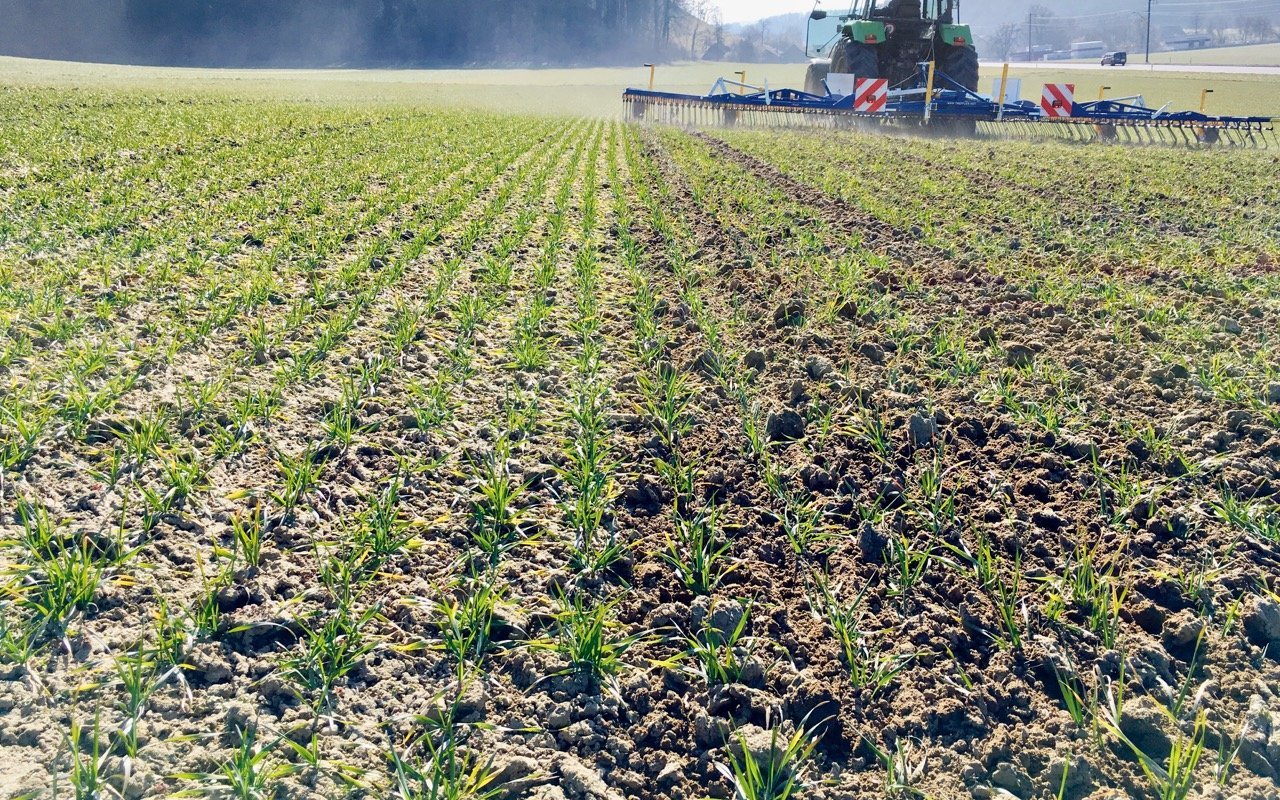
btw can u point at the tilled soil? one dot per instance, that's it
(972, 543)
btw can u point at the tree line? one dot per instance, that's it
(318, 33)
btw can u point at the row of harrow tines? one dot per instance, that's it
(947, 108)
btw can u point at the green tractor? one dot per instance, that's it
(889, 39)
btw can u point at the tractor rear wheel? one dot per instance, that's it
(855, 58)
(960, 64)
(815, 76)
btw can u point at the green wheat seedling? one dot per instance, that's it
(195, 398)
(144, 439)
(950, 353)
(936, 505)
(521, 415)
(682, 478)
(202, 620)
(312, 764)
(61, 587)
(184, 476)
(1081, 700)
(902, 773)
(697, 552)
(259, 341)
(252, 772)
(24, 425)
(256, 404)
(754, 422)
(870, 669)
(465, 618)
(803, 522)
(470, 311)
(589, 471)
(1118, 490)
(300, 475)
(667, 401)
(88, 764)
(329, 651)
(872, 430)
(1197, 581)
(1175, 779)
(340, 425)
(981, 560)
(41, 532)
(496, 514)
(382, 527)
(406, 325)
(775, 776)
(1255, 519)
(594, 548)
(1092, 583)
(246, 538)
(431, 405)
(1228, 754)
(906, 565)
(170, 638)
(137, 679)
(1010, 605)
(721, 657)
(588, 640)
(445, 772)
(81, 406)
(529, 349)
(113, 467)
(19, 639)
(651, 343)
(1158, 444)
(1220, 377)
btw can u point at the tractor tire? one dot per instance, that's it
(961, 65)
(815, 77)
(855, 58)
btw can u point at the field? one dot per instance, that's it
(1261, 55)
(595, 92)
(358, 446)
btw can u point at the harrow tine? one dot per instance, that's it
(1111, 124)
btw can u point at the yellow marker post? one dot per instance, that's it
(1204, 100)
(652, 72)
(928, 94)
(742, 81)
(1004, 92)
(1102, 92)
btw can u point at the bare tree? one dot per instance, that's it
(1257, 29)
(705, 16)
(1001, 44)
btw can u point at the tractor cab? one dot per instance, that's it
(876, 21)
(888, 39)
(906, 10)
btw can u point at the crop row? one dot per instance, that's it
(930, 484)
(1191, 323)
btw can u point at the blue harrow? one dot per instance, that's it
(950, 108)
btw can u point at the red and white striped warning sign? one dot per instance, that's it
(1058, 100)
(870, 95)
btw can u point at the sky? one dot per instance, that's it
(752, 10)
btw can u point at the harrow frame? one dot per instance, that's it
(951, 105)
